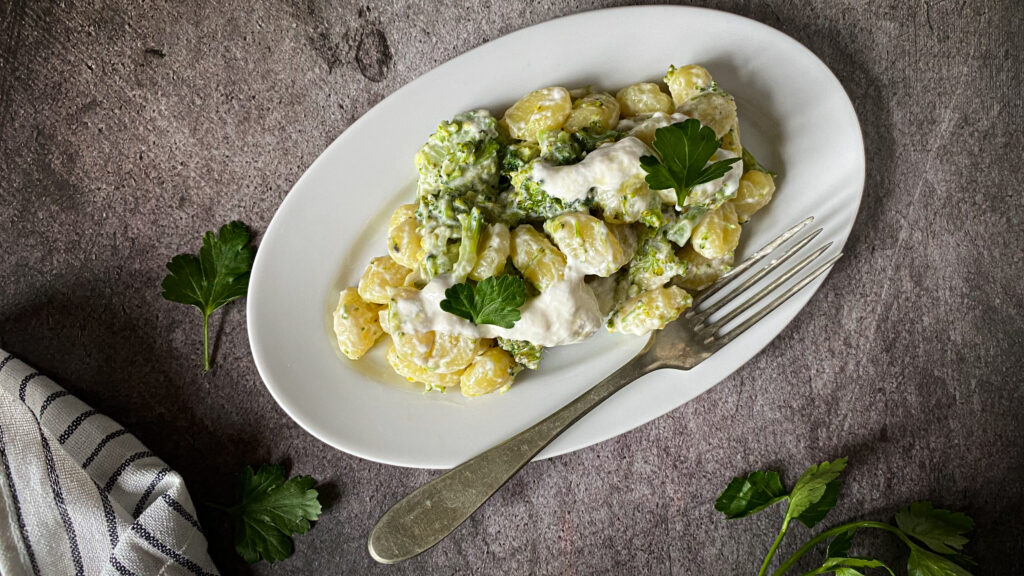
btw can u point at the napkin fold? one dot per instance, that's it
(80, 495)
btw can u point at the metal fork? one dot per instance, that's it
(434, 510)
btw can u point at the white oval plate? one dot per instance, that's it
(794, 116)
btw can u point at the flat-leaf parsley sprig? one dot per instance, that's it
(217, 276)
(495, 300)
(935, 537)
(269, 509)
(685, 148)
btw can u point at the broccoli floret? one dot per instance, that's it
(458, 168)
(531, 201)
(527, 198)
(472, 225)
(654, 263)
(591, 137)
(461, 155)
(558, 147)
(522, 351)
(458, 188)
(681, 224)
(518, 156)
(442, 249)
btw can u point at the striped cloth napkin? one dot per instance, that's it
(80, 495)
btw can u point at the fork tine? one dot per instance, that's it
(754, 278)
(763, 292)
(753, 259)
(757, 316)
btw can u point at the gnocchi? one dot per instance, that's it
(643, 98)
(538, 260)
(493, 370)
(755, 191)
(381, 275)
(650, 310)
(686, 82)
(718, 233)
(356, 324)
(493, 252)
(544, 109)
(588, 241)
(598, 110)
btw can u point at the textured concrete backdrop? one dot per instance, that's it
(129, 128)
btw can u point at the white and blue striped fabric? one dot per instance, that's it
(80, 495)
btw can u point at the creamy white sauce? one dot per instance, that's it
(604, 169)
(565, 313)
(652, 122)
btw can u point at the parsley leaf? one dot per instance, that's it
(924, 563)
(753, 493)
(217, 276)
(812, 495)
(495, 300)
(941, 530)
(270, 510)
(841, 566)
(816, 492)
(685, 148)
(840, 545)
(816, 512)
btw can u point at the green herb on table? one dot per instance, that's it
(495, 300)
(269, 510)
(935, 537)
(217, 276)
(685, 149)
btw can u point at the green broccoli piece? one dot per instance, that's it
(458, 189)
(531, 201)
(558, 147)
(654, 263)
(522, 351)
(527, 198)
(472, 225)
(591, 137)
(458, 168)
(461, 155)
(518, 156)
(442, 249)
(681, 224)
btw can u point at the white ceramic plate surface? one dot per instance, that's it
(794, 116)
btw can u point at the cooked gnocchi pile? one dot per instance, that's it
(562, 194)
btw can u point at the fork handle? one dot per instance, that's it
(434, 510)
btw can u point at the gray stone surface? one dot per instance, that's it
(129, 128)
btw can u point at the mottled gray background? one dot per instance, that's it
(129, 128)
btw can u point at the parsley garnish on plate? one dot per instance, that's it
(269, 509)
(935, 537)
(217, 276)
(685, 148)
(495, 300)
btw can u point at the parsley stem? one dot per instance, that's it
(835, 532)
(206, 342)
(775, 546)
